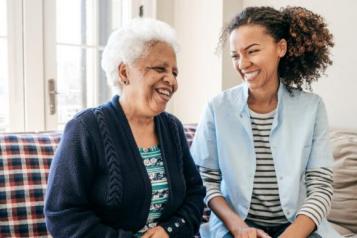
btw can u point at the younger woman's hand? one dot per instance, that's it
(250, 232)
(156, 232)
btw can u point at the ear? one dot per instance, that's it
(123, 73)
(282, 48)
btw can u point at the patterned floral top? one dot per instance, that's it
(160, 191)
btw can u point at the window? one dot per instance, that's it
(54, 48)
(83, 27)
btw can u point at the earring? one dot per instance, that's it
(125, 82)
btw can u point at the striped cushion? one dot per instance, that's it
(24, 163)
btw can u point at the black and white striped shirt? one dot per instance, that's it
(265, 207)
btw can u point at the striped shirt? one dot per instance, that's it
(155, 168)
(265, 208)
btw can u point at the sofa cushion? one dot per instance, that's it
(24, 165)
(344, 202)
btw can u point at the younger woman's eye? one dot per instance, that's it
(252, 51)
(235, 57)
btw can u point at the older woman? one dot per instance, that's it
(124, 169)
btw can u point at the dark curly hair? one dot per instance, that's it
(308, 39)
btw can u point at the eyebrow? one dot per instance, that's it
(247, 47)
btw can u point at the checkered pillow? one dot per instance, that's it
(24, 165)
(189, 130)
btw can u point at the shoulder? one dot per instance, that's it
(85, 118)
(91, 116)
(87, 121)
(170, 119)
(229, 100)
(303, 103)
(229, 95)
(303, 98)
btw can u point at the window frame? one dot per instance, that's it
(32, 60)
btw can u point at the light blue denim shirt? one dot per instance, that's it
(299, 141)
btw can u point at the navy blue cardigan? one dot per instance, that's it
(98, 185)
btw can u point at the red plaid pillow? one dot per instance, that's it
(24, 166)
(189, 130)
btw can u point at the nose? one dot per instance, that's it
(244, 63)
(170, 78)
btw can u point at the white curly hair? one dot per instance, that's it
(130, 42)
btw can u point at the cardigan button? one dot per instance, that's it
(177, 224)
(183, 221)
(169, 229)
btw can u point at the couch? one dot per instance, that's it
(25, 159)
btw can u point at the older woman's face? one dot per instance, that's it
(152, 79)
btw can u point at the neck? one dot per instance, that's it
(263, 101)
(132, 113)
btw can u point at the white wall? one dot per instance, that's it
(198, 24)
(230, 77)
(202, 72)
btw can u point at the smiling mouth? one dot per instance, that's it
(250, 76)
(164, 93)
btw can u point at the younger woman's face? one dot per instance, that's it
(256, 55)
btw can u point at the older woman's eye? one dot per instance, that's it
(159, 69)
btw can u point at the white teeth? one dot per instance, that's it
(166, 92)
(250, 75)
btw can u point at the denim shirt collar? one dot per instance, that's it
(282, 91)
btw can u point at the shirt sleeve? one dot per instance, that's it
(319, 194)
(320, 154)
(204, 146)
(212, 181)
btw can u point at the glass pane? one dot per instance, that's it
(76, 21)
(4, 88)
(3, 18)
(104, 91)
(68, 21)
(117, 15)
(83, 27)
(71, 82)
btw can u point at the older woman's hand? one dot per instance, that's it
(156, 232)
